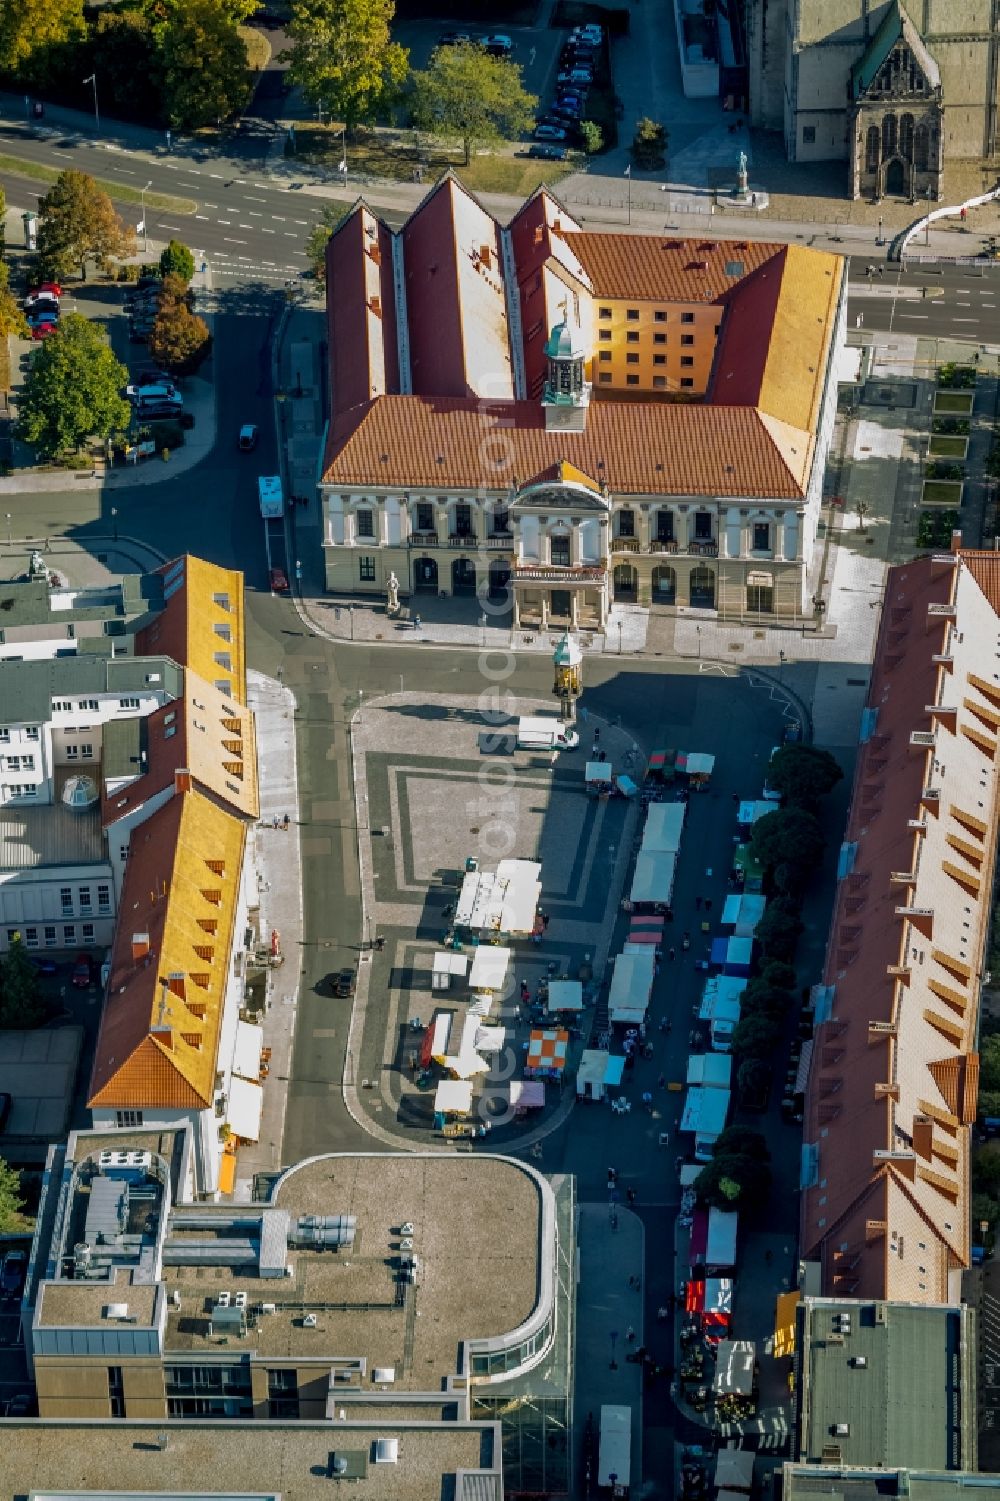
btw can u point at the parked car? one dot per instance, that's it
(248, 437)
(50, 288)
(36, 301)
(279, 581)
(81, 973)
(43, 965)
(455, 39)
(150, 375)
(15, 1265)
(6, 1101)
(45, 313)
(42, 330)
(582, 76)
(344, 982)
(498, 45)
(588, 33)
(549, 133)
(548, 153)
(154, 391)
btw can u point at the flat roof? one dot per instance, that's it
(31, 602)
(35, 838)
(874, 1485)
(27, 688)
(259, 1459)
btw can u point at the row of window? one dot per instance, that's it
(687, 360)
(29, 732)
(605, 377)
(50, 935)
(84, 900)
(19, 763)
(633, 315)
(89, 705)
(20, 789)
(604, 336)
(424, 520)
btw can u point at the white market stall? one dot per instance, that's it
(705, 1114)
(501, 902)
(720, 1246)
(446, 966)
(489, 1039)
(598, 777)
(664, 826)
(246, 1054)
(742, 911)
(489, 967)
(653, 879)
(598, 1072)
(437, 1038)
(753, 809)
(526, 1094)
(631, 985)
(565, 995)
(734, 1470)
(712, 1070)
(453, 1097)
(244, 1109)
(466, 1062)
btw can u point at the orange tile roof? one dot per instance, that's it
(160, 1029)
(649, 268)
(637, 448)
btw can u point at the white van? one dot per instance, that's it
(155, 396)
(545, 734)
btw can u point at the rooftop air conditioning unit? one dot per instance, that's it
(860, 1362)
(406, 1229)
(384, 1375)
(386, 1451)
(269, 1308)
(309, 1322)
(842, 1430)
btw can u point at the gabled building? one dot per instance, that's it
(537, 413)
(893, 1074)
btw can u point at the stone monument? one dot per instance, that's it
(392, 595)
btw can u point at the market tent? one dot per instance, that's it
(734, 1470)
(631, 984)
(641, 936)
(742, 912)
(246, 1054)
(719, 1297)
(705, 1111)
(784, 1324)
(652, 920)
(598, 774)
(547, 1050)
(466, 1063)
(732, 955)
(715, 1070)
(751, 869)
(720, 1246)
(489, 1039)
(437, 1037)
(698, 1236)
(734, 1366)
(653, 879)
(752, 809)
(697, 763)
(565, 995)
(489, 967)
(527, 1094)
(243, 1112)
(501, 901)
(663, 828)
(598, 1072)
(453, 1097)
(444, 965)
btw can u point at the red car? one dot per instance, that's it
(51, 287)
(82, 976)
(279, 583)
(42, 330)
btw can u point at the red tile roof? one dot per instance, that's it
(637, 448)
(649, 268)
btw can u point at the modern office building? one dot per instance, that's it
(893, 1068)
(568, 419)
(362, 1290)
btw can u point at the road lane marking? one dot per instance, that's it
(251, 199)
(206, 204)
(265, 231)
(240, 182)
(216, 174)
(254, 213)
(280, 218)
(300, 221)
(227, 241)
(226, 222)
(965, 320)
(201, 216)
(195, 171)
(290, 234)
(188, 184)
(173, 228)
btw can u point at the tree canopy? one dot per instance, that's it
(20, 995)
(756, 1036)
(465, 92)
(177, 260)
(778, 931)
(76, 224)
(30, 28)
(204, 59)
(803, 773)
(72, 390)
(124, 53)
(343, 57)
(11, 1203)
(179, 338)
(738, 1174)
(788, 836)
(12, 319)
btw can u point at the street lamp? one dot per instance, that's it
(614, 1363)
(10, 543)
(142, 210)
(97, 118)
(114, 522)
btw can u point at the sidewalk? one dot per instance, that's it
(611, 1249)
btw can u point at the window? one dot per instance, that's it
(632, 315)
(31, 938)
(88, 932)
(21, 789)
(760, 599)
(501, 520)
(626, 523)
(761, 536)
(85, 902)
(366, 570)
(12, 763)
(664, 526)
(872, 145)
(4, 737)
(133, 703)
(463, 520)
(687, 317)
(703, 526)
(86, 704)
(86, 751)
(365, 523)
(605, 355)
(659, 382)
(659, 338)
(69, 933)
(104, 898)
(808, 135)
(660, 316)
(604, 334)
(659, 359)
(50, 936)
(66, 900)
(686, 382)
(128, 1120)
(123, 853)
(425, 517)
(604, 312)
(604, 377)
(559, 552)
(27, 763)
(687, 360)
(631, 380)
(631, 338)
(631, 359)
(72, 751)
(224, 660)
(224, 631)
(687, 340)
(61, 706)
(222, 600)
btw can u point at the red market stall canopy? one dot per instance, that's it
(547, 1051)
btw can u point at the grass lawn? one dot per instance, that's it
(953, 401)
(941, 492)
(380, 155)
(944, 447)
(38, 172)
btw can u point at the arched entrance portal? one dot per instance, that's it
(664, 585)
(425, 576)
(895, 178)
(499, 578)
(626, 582)
(463, 576)
(702, 588)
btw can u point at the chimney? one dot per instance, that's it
(175, 983)
(182, 779)
(485, 255)
(140, 946)
(375, 303)
(923, 1135)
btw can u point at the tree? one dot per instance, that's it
(753, 1080)
(12, 319)
(778, 932)
(3, 222)
(20, 996)
(788, 836)
(29, 28)
(779, 975)
(755, 1036)
(989, 1063)
(331, 215)
(986, 1172)
(592, 137)
(649, 145)
(343, 58)
(179, 338)
(762, 999)
(465, 92)
(177, 260)
(77, 223)
(803, 774)
(11, 1203)
(206, 76)
(73, 390)
(740, 1141)
(734, 1182)
(124, 53)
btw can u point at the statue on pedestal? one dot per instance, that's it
(392, 595)
(741, 174)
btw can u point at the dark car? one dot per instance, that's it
(455, 39)
(15, 1265)
(548, 153)
(6, 1101)
(44, 966)
(343, 982)
(82, 973)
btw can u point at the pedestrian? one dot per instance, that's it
(285, 823)
(629, 1335)
(663, 1313)
(661, 1082)
(672, 953)
(631, 1284)
(697, 904)
(612, 1175)
(708, 904)
(630, 1195)
(647, 1100)
(597, 736)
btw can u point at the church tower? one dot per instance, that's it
(566, 395)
